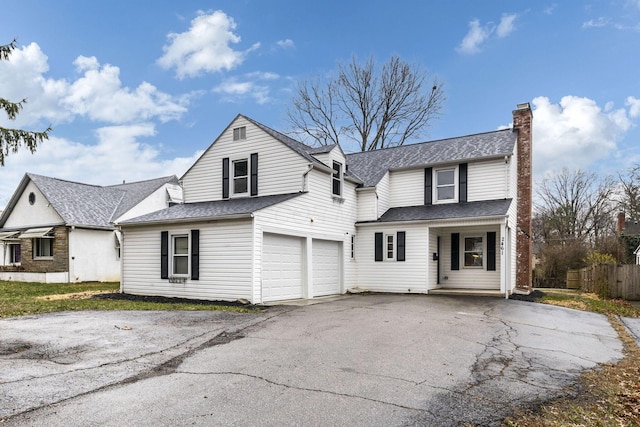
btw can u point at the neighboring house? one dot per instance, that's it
(267, 218)
(629, 235)
(60, 231)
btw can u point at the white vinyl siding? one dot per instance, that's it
(384, 195)
(407, 187)
(408, 276)
(367, 205)
(226, 269)
(280, 169)
(465, 277)
(486, 180)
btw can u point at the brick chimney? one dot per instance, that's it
(522, 123)
(621, 222)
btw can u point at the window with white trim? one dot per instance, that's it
(240, 133)
(445, 185)
(180, 255)
(473, 252)
(240, 176)
(43, 248)
(389, 247)
(336, 179)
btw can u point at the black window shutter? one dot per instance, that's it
(164, 255)
(195, 254)
(491, 251)
(254, 174)
(455, 251)
(462, 182)
(400, 242)
(378, 246)
(428, 193)
(225, 178)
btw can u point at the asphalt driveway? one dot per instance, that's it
(362, 360)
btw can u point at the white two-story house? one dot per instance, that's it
(267, 218)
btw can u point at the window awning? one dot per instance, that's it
(8, 235)
(35, 233)
(175, 195)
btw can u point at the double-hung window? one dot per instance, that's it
(336, 179)
(43, 247)
(389, 247)
(14, 253)
(473, 252)
(445, 188)
(180, 254)
(240, 176)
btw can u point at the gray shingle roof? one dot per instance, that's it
(482, 208)
(297, 146)
(88, 205)
(370, 166)
(211, 210)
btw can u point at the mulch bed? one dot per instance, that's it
(167, 300)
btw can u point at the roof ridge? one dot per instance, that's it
(30, 174)
(429, 142)
(166, 178)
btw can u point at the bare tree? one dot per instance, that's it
(630, 189)
(576, 205)
(376, 108)
(12, 139)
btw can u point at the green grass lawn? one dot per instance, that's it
(20, 299)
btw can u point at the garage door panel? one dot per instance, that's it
(326, 267)
(281, 267)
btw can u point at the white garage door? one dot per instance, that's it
(326, 267)
(281, 267)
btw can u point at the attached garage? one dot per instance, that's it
(326, 267)
(281, 267)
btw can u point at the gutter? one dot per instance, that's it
(426, 221)
(184, 220)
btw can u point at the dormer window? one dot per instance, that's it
(336, 179)
(240, 133)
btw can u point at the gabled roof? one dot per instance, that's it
(84, 204)
(371, 166)
(484, 208)
(219, 209)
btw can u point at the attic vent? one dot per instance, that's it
(32, 198)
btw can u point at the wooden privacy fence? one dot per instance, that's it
(607, 280)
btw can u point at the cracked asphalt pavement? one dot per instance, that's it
(361, 360)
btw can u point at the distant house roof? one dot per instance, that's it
(220, 209)
(631, 228)
(370, 166)
(484, 208)
(88, 205)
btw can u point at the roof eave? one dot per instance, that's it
(423, 221)
(185, 220)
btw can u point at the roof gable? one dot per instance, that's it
(85, 204)
(370, 166)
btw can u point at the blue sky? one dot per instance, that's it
(136, 90)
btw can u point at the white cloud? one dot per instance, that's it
(234, 89)
(205, 47)
(575, 133)
(479, 34)
(597, 23)
(97, 94)
(506, 25)
(551, 9)
(286, 44)
(475, 37)
(118, 155)
(634, 106)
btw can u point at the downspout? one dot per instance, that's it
(121, 258)
(304, 178)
